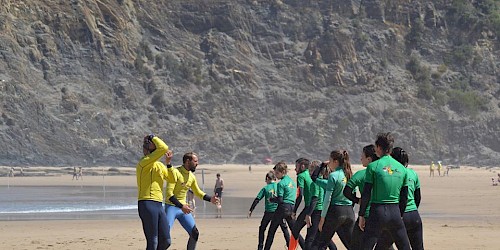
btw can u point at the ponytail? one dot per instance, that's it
(347, 165)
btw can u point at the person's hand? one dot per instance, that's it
(168, 156)
(362, 223)
(249, 214)
(214, 200)
(294, 216)
(321, 222)
(186, 209)
(308, 221)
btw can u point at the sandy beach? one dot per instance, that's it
(459, 211)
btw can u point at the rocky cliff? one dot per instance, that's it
(82, 81)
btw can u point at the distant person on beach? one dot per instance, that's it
(286, 192)
(75, 174)
(439, 168)
(304, 182)
(21, 171)
(386, 187)
(411, 217)
(176, 207)
(431, 169)
(268, 192)
(11, 172)
(218, 190)
(151, 175)
(447, 171)
(368, 155)
(498, 177)
(80, 173)
(250, 168)
(494, 182)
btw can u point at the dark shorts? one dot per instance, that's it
(218, 192)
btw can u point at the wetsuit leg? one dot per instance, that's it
(284, 210)
(149, 214)
(286, 233)
(397, 227)
(413, 224)
(384, 241)
(193, 239)
(172, 213)
(297, 227)
(345, 229)
(163, 230)
(266, 219)
(357, 234)
(275, 222)
(187, 222)
(332, 223)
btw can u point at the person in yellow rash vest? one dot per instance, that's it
(176, 206)
(151, 175)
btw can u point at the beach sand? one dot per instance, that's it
(460, 211)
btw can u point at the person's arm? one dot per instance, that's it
(349, 194)
(202, 195)
(365, 198)
(222, 184)
(259, 197)
(298, 200)
(310, 208)
(317, 172)
(417, 196)
(161, 149)
(326, 203)
(403, 199)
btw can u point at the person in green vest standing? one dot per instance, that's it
(358, 180)
(268, 192)
(285, 197)
(411, 217)
(386, 187)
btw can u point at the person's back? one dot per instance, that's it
(391, 178)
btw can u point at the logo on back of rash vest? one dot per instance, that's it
(389, 170)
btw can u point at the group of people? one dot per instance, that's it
(439, 168)
(390, 197)
(151, 175)
(77, 173)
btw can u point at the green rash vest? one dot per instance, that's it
(321, 182)
(358, 180)
(319, 192)
(413, 184)
(304, 182)
(287, 190)
(334, 191)
(387, 177)
(268, 191)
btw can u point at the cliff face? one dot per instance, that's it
(83, 81)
